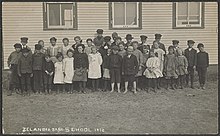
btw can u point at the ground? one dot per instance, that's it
(175, 112)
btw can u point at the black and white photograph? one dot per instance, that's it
(109, 67)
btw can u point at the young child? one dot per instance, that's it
(106, 66)
(43, 49)
(48, 68)
(38, 57)
(88, 46)
(59, 74)
(128, 40)
(202, 64)
(170, 68)
(78, 41)
(81, 66)
(53, 49)
(130, 69)
(153, 71)
(139, 57)
(122, 51)
(182, 65)
(160, 54)
(191, 55)
(65, 47)
(176, 47)
(95, 61)
(14, 82)
(25, 70)
(115, 62)
(68, 70)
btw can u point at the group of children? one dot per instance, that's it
(128, 65)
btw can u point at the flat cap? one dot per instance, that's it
(175, 41)
(99, 31)
(114, 35)
(143, 37)
(53, 39)
(17, 45)
(25, 50)
(115, 47)
(24, 38)
(107, 38)
(200, 45)
(190, 41)
(158, 36)
(129, 37)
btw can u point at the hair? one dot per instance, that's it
(82, 45)
(47, 55)
(65, 39)
(70, 50)
(134, 42)
(59, 55)
(146, 47)
(121, 43)
(170, 47)
(89, 39)
(40, 41)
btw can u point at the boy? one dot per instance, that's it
(191, 55)
(115, 61)
(65, 47)
(38, 57)
(99, 40)
(143, 42)
(122, 51)
(25, 70)
(53, 49)
(43, 49)
(48, 68)
(24, 41)
(130, 69)
(202, 64)
(12, 64)
(176, 46)
(161, 45)
(128, 40)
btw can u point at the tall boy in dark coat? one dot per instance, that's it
(191, 55)
(202, 64)
(161, 45)
(25, 71)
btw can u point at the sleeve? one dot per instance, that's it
(48, 50)
(157, 64)
(64, 65)
(100, 60)
(136, 64)
(9, 60)
(86, 61)
(123, 65)
(207, 60)
(74, 62)
(185, 62)
(44, 65)
(141, 59)
(19, 66)
(195, 58)
(165, 63)
(53, 66)
(31, 62)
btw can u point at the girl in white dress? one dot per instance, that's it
(152, 71)
(68, 71)
(95, 62)
(59, 73)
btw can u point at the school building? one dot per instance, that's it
(42, 20)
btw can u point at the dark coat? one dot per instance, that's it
(115, 61)
(202, 59)
(48, 66)
(81, 60)
(106, 63)
(191, 57)
(130, 65)
(38, 59)
(25, 64)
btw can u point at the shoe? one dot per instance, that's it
(181, 87)
(192, 87)
(203, 87)
(111, 91)
(154, 90)
(135, 92)
(125, 91)
(119, 91)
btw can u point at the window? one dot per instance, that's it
(188, 15)
(125, 15)
(59, 15)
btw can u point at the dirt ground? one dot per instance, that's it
(185, 111)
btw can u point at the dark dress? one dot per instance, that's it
(202, 65)
(115, 62)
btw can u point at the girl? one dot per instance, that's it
(88, 46)
(153, 70)
(170, 68)
(65, 47)
(81, 66)
(68, 71)
(106, 65)
(182, 65)
(78, 41)
(43, 49)
(59, 73)
(122, 51)
(160, 54)
(95, 61)
(53, 49)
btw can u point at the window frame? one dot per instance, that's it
(124, 27)
(45, 17)
(202, 19)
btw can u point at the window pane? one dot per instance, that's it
(182, 8)
(67, 14)
(194, 8)
(119, 13)
(54, 14)
(131, 13)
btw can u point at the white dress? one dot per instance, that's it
(153, 68)
(68, 69)
(95, 61)
(58, 74)
(64, 50)
(160, 54)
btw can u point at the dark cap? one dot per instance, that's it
(158, 36)
(83, 46)
(175, 41)
(17, 45)
(200, 45)
(107, 38)
(114, 35)
(99, 31)
(89, 39)
(53, 39)
(25, 50)
(38, 47)
(129, 37)
(143, 37)
(24, 39)
(65, 39)
(115, 47)
(190, 41)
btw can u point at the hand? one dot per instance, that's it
(9, 65)
(123, 73)
(87, 70)
(19, 75)
(140, 68)
(194, 67)
(31, 75)
(51, 73)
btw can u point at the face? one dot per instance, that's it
(175, 44)
(128, 40)
(18, 49)
(80, 49)
(99, 35)
(157, 39)
(121, 47)
(47, 59)
(25, 54)
(135, 45)
(37, 51)
(41, 43)
(115, 51)
(118, 40)
(89, 43)
(23, 43)
(109, 51)
(77, 40)
(145, 50)
(179, 52)
(94, 50)
(65, 42)
(152, 54)
(171, 51)
(156, 45)
(143, 40)
(70, 54)
(130, 51)
(201, 49)
(53, 42)
(190, 45)
(60, 58)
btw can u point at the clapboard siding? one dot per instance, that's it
(26, 19)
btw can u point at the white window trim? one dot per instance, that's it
(189, 25)
(125, 26)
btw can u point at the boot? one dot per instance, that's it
(22, 90)
(28, 90)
